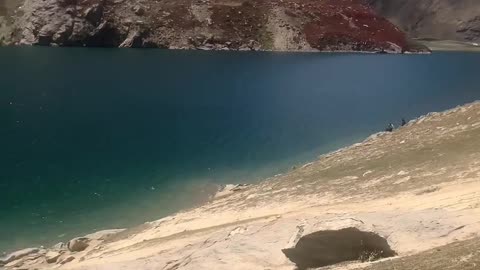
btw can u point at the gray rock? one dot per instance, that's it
(52, 256)
(5, 31)
(133, 40)
(394, 48)
(18, 255)
(94, 14)
(63, 32)
(230, 189)
(78, 244)
(206, 47)
(138, 10)
(51, 22)
(254, 45)
(66, 260)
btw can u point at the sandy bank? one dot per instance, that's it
(417, 189)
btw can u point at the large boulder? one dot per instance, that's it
(78, 244)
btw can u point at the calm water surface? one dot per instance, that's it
(101, 138)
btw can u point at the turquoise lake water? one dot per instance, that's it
(106, 138)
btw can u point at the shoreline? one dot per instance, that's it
(340, 52)
(282, 199)
(202, 190)
(449, 45)
(432, 46)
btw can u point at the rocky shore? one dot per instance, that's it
(279, 25)
(409, 199)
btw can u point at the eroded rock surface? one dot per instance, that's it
(78, 244)
(52, 256)
(17, 255)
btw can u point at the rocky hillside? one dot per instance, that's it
(439, 19)
(284, 25)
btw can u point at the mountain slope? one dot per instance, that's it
(439, 19)
(294, 25)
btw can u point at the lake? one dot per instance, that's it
(106, 138)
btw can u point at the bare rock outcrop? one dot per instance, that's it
(52, 256)
(78, 244)
(17, 255)
(57, 255)
(66, 23)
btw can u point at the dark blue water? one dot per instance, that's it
(102, 138)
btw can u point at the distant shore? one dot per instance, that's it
(450, 45)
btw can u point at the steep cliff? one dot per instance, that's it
(439, 19)
(284, 25)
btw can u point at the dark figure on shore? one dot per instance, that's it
(390, 127)
(403, 122)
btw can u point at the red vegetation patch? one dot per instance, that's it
(347, 24)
